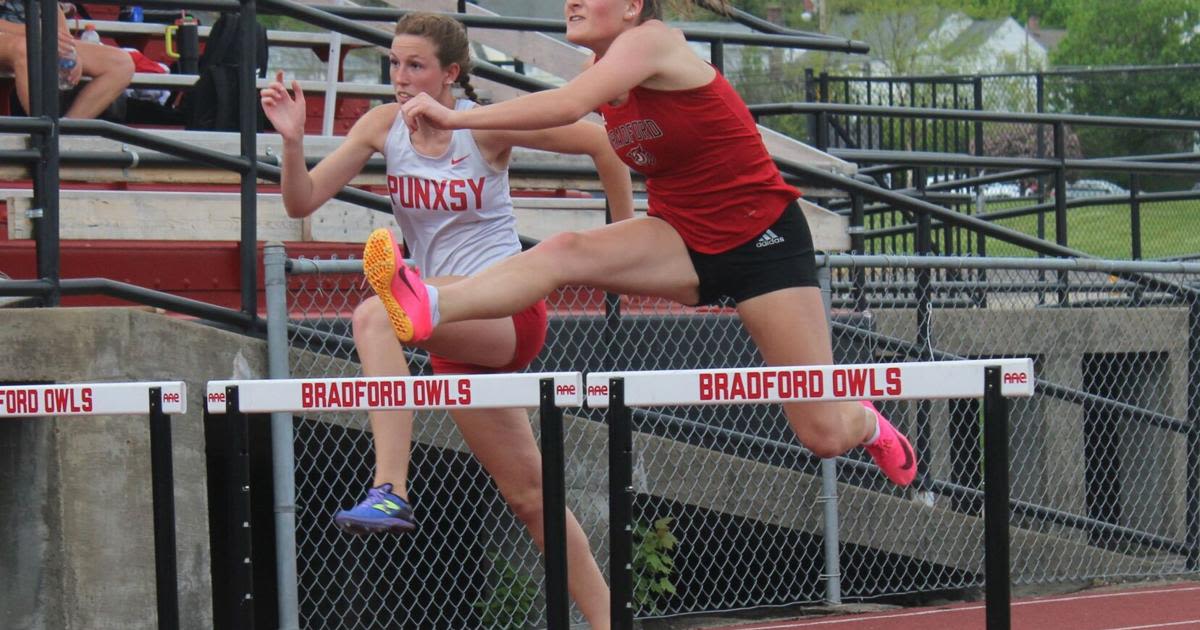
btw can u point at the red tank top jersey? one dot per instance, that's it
(707, 171)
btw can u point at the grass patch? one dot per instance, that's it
(1168, 229)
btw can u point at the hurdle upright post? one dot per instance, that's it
(162, 481)
(997, 586)
(228, 455)
(620, 505)
(554, 509)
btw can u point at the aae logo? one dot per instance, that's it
(1018, 378)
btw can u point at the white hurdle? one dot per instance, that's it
(158, 400)
(993, 380)
(483, 391)
(876, 381)
(549, 392)
(91, 399)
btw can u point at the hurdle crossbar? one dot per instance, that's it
(90, 399)
(477, 391)
(993, 380)
(549, 392)
(876, 381)
(157, 400)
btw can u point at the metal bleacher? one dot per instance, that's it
(551, 193)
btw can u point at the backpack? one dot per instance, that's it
(212, 102)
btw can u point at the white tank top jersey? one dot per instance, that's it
(454, 210)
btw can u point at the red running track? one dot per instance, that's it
(1174, 607)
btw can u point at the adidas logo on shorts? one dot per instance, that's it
(768, 239)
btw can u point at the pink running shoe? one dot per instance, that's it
(400, 288)
(892, 452)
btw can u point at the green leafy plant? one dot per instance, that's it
(653, 564)
(510, 598)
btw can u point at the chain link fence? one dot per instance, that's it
(1104, 458)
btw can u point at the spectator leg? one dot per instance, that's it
(111, 70)
(12, 58)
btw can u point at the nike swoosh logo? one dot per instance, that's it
(455, 162)
(404, 279)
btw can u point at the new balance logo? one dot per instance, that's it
(768, 239)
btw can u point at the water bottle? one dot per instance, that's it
(66, 67)
(89, 34)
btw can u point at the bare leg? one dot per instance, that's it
(12, 57)
(789, 328)
(487, 342)
(382, 355)
(503, 442)
(643, 256)
(111, 70)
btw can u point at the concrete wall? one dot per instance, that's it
(1047, 439)
(76, 536)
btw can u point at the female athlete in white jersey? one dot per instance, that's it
(450, 195)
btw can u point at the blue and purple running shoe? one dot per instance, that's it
(380, 512)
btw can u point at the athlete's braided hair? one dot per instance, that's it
(449, 37)
(653, 9)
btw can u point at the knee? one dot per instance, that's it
(121, 67)
(562, 246)
(113, 64)
(826, 445)
(369, 321)
(12, 54)
(825, 434)
(526, 504)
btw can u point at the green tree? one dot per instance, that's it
(908, 37)
(1121, 33)
(1050, 13)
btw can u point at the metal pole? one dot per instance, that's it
(981, 244)
(41, 34)
(1135, 216)
(162, 480)
(858, 245)
(1192, 518)
(612, 314)
(810, 96)
(620, 505)
(924, 338)
(332, 64)
(248, 124)
(282, 440)
(995, 502)
(829, 474)
(1060, 202)
(554, 510)
(1040, 104)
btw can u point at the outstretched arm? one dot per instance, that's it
(635, 56)
(580, 138)
(304, 192)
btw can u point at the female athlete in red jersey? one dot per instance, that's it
(722, 221)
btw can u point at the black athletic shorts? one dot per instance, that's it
(781, 257)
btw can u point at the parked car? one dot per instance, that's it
(1001, 190)
(1094, 188)
(994, 190)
